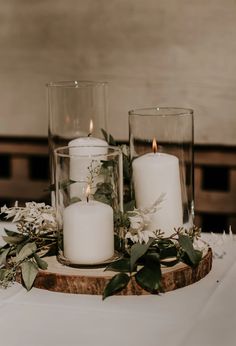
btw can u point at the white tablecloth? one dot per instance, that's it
(202, 314)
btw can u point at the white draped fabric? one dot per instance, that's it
(202, 314)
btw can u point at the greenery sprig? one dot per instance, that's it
(143, 261)
(24, 248)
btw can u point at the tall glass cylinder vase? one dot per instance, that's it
(89, 196)
(75, 109)
(161, 146)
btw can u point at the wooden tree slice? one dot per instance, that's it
(59, 278)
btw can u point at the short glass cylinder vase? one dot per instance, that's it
(75, 109)
(161, 147)
(89, 195)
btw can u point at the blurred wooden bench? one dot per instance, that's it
(24, 172)
(215, 187)
(24, 176)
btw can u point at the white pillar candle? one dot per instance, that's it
(79, 166)
(87, 143)
(88, 232)
(155, 174)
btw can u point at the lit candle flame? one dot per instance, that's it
(87, 193)
(90, 128)
(154, 145)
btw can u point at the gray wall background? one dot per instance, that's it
(152, 52)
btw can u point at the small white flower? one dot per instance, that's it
(3, 209)
(218, 242)
(139, 222)
(34, 217)
(125, 149)
(48, 217)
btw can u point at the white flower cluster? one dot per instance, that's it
(34, 217)
(139, 222)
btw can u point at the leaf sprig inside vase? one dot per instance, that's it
(35, 237)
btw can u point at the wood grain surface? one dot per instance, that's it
(59, 278)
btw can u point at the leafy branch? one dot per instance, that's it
(143, 261)
(127, 167)
(23, 250)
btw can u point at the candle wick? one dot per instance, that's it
(87, 198)
(90, 133)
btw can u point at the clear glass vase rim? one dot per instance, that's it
(75, 84)
(115, 151)
(162, 111)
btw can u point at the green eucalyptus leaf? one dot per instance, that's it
(27, 250)
(29, 272)
(108, 137)
(3, 256)
(198, 254)
(3, 273)
(105, 135)
(107, 164)
(4, 247)
(187, 245)
(122, 265)
(137, 251)
(129, 206)
(165, 243)
(11, 233)
(185, 258)
(126, 167)
(12, 252)
(41, 263)
(102, 198)
(111, 140)
(121, 220)
(149, 278)
(168, 252)
(13, 239)
(104, 193)
(65, 184)
(19, 247)
(104, 188)
(51, 250)
(116, 284)
(152, 259)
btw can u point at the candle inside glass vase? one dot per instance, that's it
(79, 169)
(88, 234)
(156, 174)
